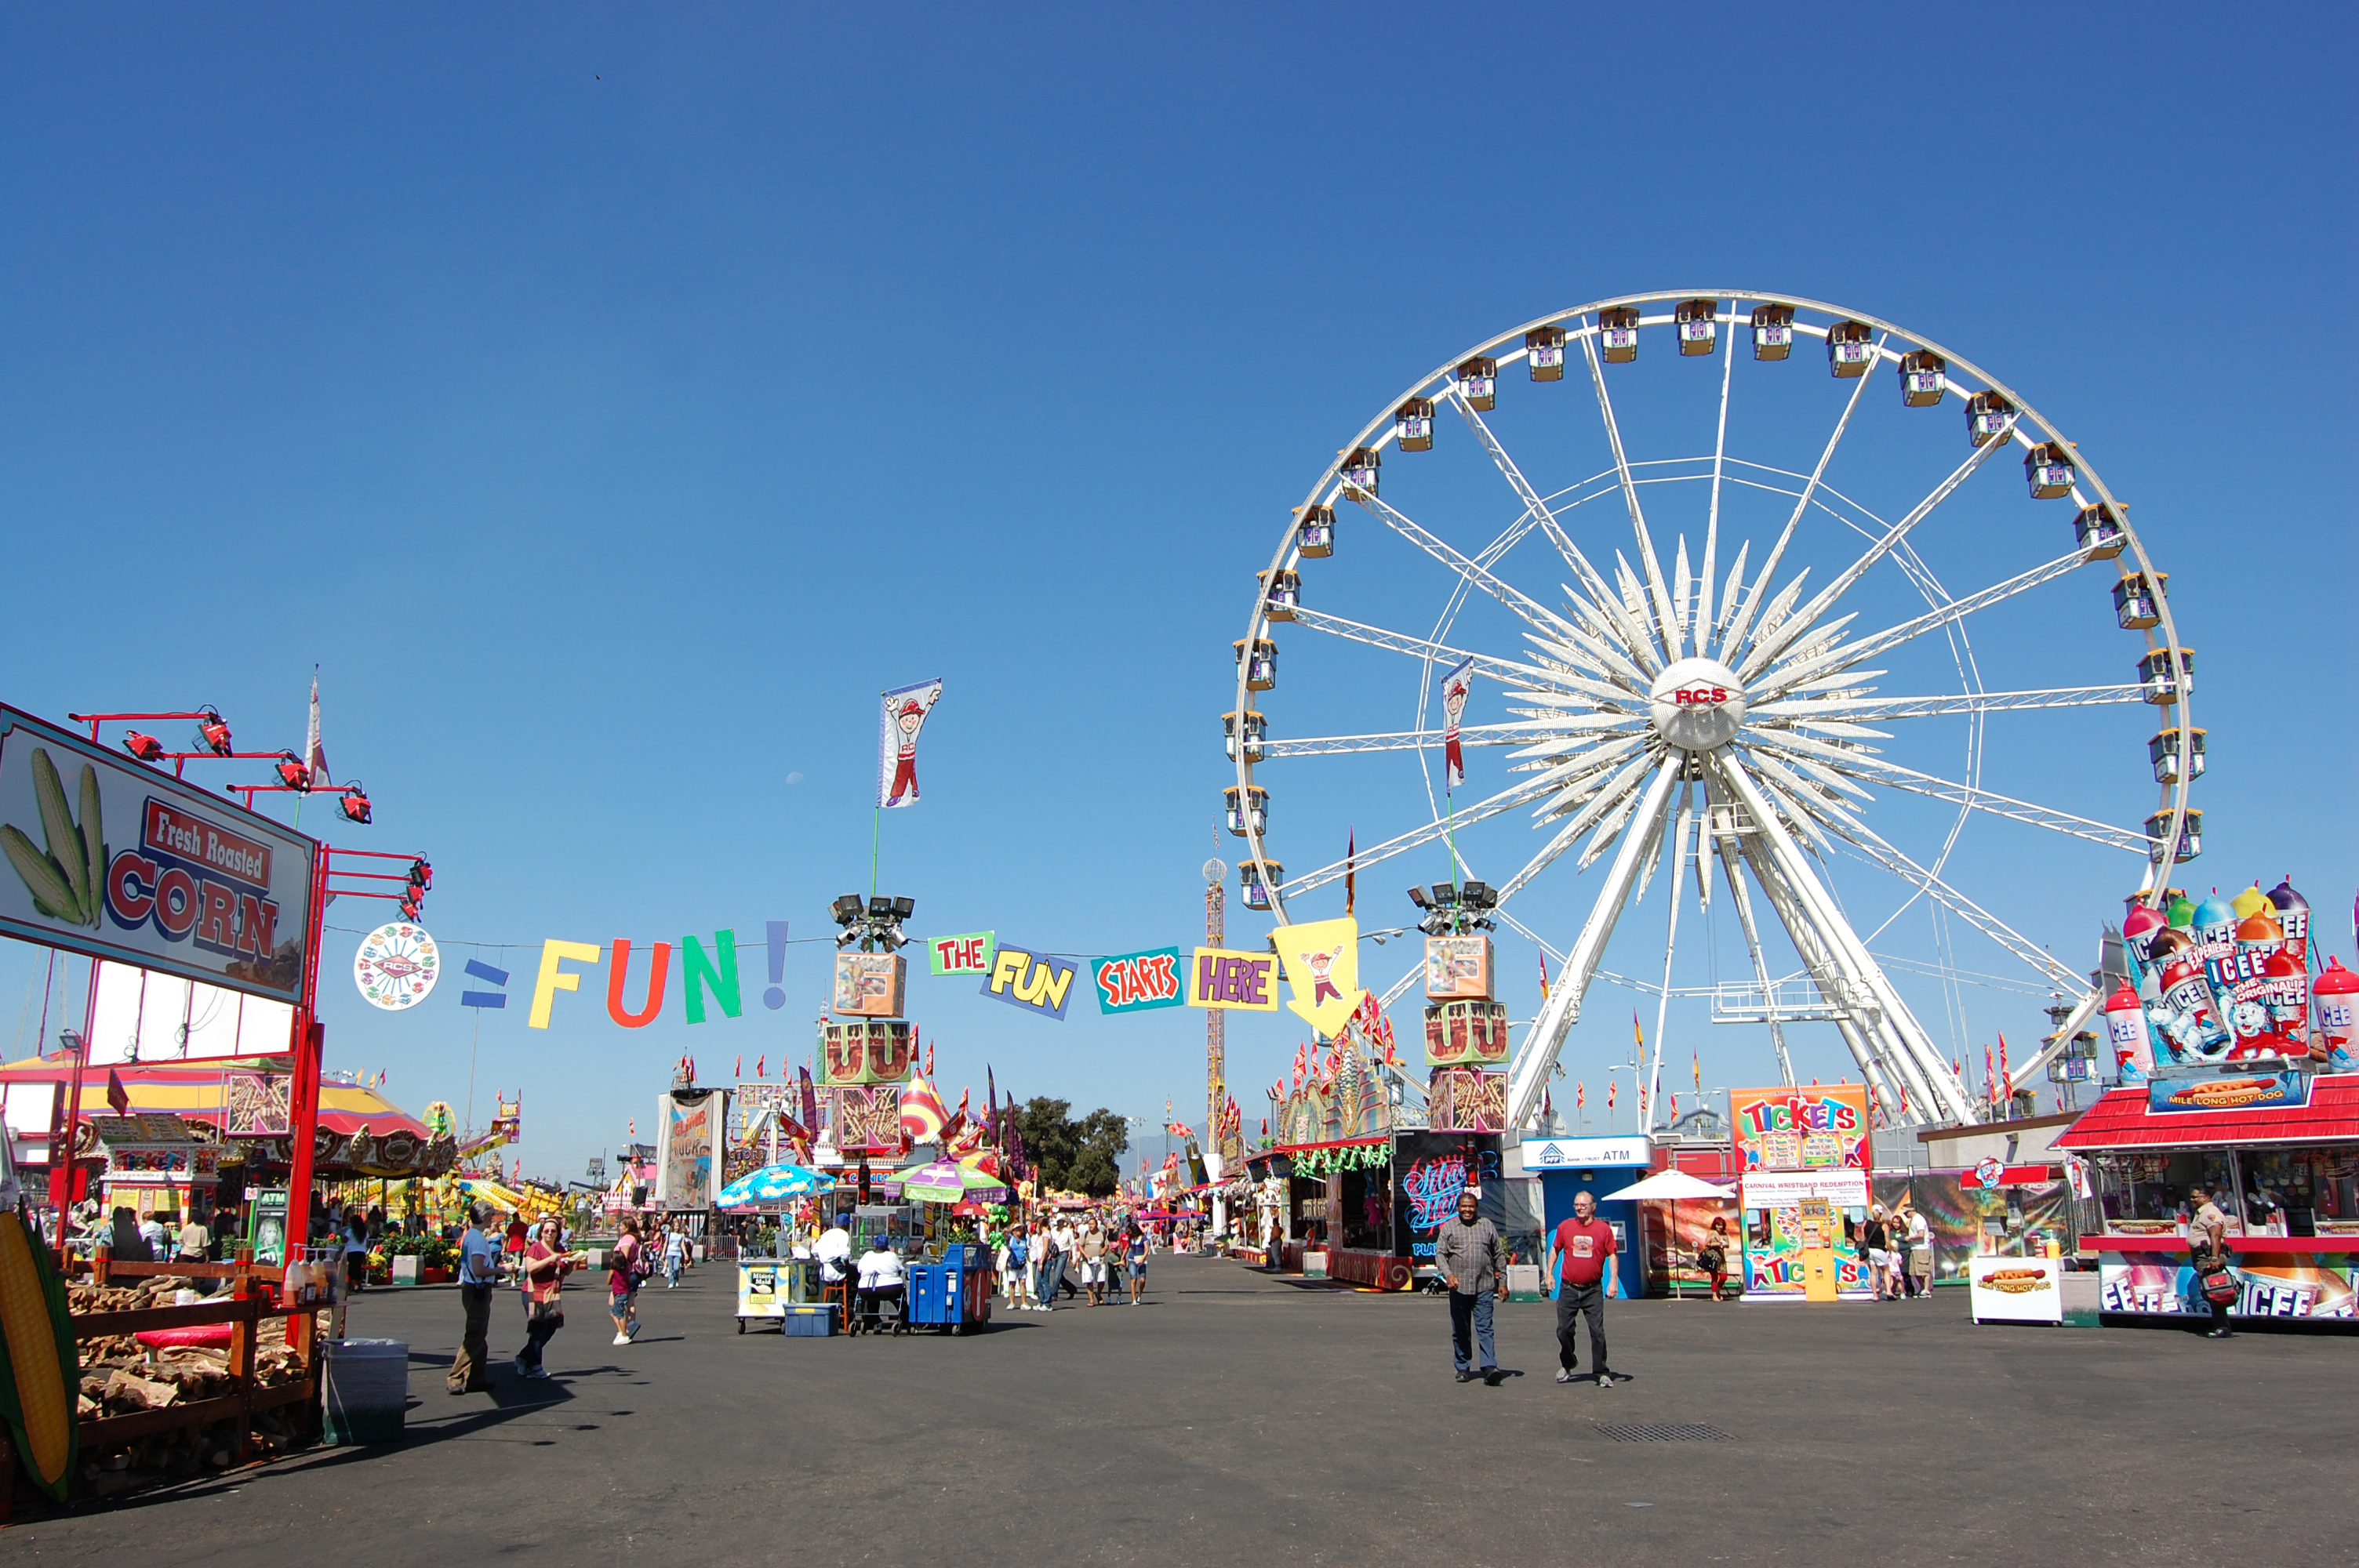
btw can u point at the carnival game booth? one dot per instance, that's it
(1803, 1183)
(2278, 1149)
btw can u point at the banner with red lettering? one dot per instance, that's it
(117, 859)
(1138, 983)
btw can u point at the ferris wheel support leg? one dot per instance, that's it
(1760, 961)
(1917, 1059)
(1528, 1073)
(1670, 941)
(1869, 1043)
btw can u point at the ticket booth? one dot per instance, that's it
(1568, 1167)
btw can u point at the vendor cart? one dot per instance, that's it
(954, 1293)
(768, 1287)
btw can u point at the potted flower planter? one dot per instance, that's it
(433, 1276)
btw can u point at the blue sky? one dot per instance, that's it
(612, 404)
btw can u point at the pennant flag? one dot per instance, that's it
(1637, 1033)
(1301, 1062)
(761, 1062)
(1612, 1087)
(1698, 1064)
(740, 1071)
(1455, 687)
(1322, 963)
(1543, 978)
(315, 755)
(810, 1098)
(1351, 881)
(1990, 1079)
(116, 1095)
(1181, 1129)
(904, 712)
(1675, 1105)
(2006, 1077)
(929, 1057)
(1580, 1095)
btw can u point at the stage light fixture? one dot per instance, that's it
(212, 731)
(355, 803)
(146, 748)
(847, 909)
(292, 772)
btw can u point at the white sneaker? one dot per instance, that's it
(622, 1339)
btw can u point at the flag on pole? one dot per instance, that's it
(2006, 1077)
(315, 755)
(116, 1095)
(1351, 880)
(1698, 1065)
(929, 1059)
(1990, 1080)
(1580, 1095)
(1301, 1062)
(740, 1071)
(1543, 977)
(1613, 1088)
(1637, 1033)
(759, 1063)
(1455, 687)
(904, 712)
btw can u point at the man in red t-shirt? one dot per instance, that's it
(1581, 1255)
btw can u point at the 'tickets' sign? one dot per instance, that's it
(111, 858)
(1823, 1127)
(1138, 983)
(1248, 981)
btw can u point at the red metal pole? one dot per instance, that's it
(309, 1039)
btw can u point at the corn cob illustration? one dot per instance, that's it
(28, 1318)
(67, 882)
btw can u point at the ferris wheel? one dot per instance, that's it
(1723, 651)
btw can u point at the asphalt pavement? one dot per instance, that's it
(1237, 1418)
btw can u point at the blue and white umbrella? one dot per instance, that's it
(773, 1184)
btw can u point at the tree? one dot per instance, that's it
(1081, 1156)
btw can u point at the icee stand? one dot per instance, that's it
(2278, 1149)
(784, 1291)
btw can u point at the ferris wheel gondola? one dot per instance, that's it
(1712, 718)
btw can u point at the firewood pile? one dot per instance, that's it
(122, 1377)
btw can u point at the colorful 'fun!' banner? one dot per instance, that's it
(968, 954)
(1138, 983)
(1221, 979)
(1033, 981)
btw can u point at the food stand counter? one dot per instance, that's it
(2278, 1151)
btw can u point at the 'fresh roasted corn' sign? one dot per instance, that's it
(109, 857)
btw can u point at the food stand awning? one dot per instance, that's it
(2128, 1117)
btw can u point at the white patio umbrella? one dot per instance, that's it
(1670, 1187)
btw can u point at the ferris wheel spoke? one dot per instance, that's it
(1599, 601)
(1734, 636)
(1875, 770)
(1660, 594)
(1775, 641)
(1527, 1073)
(1523, 604)
(1704, 617)
(1409, 740)
(1875, 642)
(1883, 709)
(1505, 800)
(1975, 914)
(1506, 670)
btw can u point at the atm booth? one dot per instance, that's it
(1568, 1167)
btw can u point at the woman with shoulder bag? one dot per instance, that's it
(544, 1267)
(2207, 1246)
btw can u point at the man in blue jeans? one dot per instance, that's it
(1466, 1250)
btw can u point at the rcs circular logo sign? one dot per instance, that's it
(1697, 704)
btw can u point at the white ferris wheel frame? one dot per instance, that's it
(1803, 779)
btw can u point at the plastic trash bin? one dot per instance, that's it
(365, 1387)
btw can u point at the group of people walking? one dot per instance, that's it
(535, 1260)
(1041, 1259)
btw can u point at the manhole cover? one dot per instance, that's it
(1661, 1431)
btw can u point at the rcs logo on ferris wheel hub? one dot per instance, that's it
(1697, 704)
